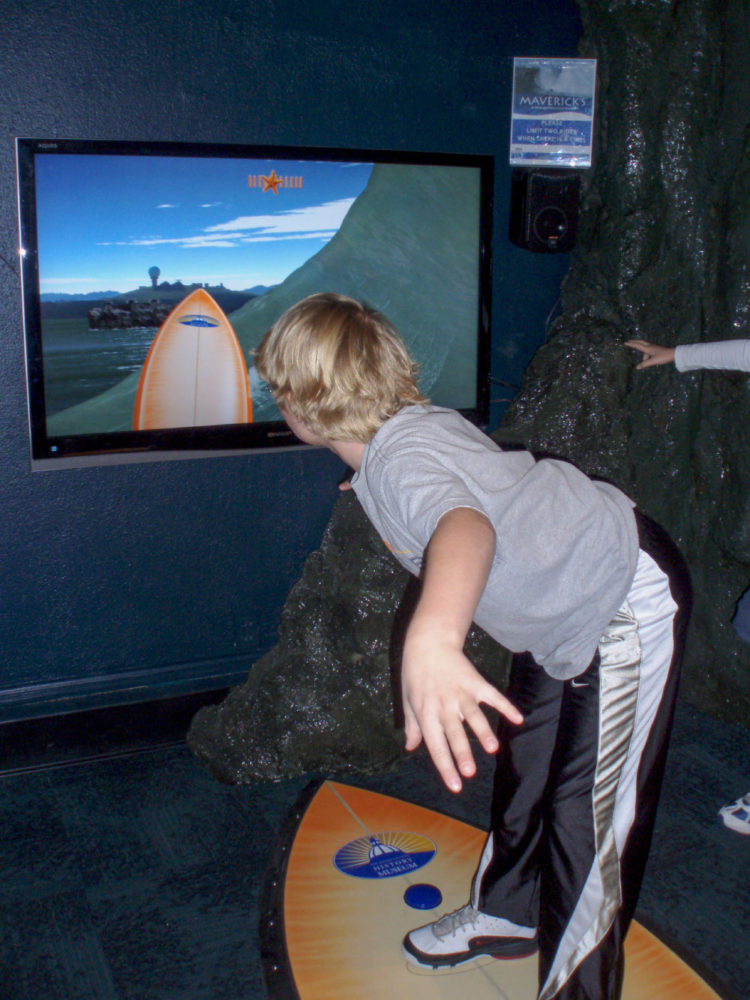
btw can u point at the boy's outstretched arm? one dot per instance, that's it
(441, 688)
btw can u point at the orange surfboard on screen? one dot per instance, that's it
(195, 373)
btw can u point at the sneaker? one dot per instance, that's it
(737, 815)
(462, 935)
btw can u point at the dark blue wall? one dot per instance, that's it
(135, 581)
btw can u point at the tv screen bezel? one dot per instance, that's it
(115, 447)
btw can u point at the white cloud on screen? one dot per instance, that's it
(311, 222)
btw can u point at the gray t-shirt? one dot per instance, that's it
(566, 549)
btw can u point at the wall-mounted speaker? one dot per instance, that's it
(544, 209)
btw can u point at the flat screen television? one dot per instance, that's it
(150, 271)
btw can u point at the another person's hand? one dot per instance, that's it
(653, 354)
(442, 690)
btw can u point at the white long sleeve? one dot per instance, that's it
(727, 354)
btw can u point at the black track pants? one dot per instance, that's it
(577, 785)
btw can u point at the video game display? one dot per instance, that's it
(150, 272)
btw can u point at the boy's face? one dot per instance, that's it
(298, 427)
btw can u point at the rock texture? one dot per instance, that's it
(325, 697)
(663, 254)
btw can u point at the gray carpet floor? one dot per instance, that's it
(128, 873)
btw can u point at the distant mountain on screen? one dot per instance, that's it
(74, 297)
(166, 293)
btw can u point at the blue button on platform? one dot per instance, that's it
(423, 896)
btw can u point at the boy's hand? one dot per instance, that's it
(442, 690)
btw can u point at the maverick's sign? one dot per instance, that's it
(553, 112)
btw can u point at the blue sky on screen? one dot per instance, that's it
(104, 220)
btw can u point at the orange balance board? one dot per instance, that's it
(194, 374)
(330, 933)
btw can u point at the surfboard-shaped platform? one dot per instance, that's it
(195, 373)
(335, 913)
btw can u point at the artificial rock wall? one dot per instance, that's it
(664, 255)
(327, 696)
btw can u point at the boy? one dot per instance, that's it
(589, 596)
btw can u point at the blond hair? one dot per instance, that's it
(339, 366)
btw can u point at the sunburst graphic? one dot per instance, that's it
(384, 855)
